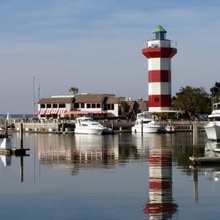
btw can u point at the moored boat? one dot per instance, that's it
(169, 127)
(212, 129)
(87, 125)
(146, 123)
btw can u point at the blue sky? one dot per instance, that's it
(96, 46)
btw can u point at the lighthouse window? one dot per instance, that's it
(156, 99)
(155, 45)
(159, 36)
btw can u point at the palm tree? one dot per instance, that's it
(74, 90)
(123, 106)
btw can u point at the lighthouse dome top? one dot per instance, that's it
(159, 33)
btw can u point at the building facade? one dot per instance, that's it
(97, 105)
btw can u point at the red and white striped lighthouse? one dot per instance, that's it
(159, 53)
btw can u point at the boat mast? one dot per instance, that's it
(34, 95)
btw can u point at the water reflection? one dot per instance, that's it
(78, 151)
(6, 158)
(90, 151)
(93, 151)
(161, 204)
(86, 171)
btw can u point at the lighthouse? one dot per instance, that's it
(159, 53)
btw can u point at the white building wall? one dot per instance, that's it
(115, 111)
(158, 43)
(68, 107)
(158, 109)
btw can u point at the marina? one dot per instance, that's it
(102, 156)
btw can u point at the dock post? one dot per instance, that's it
(21, 169)
(142, 129)
(195, 181)
(62, 126)
(195, 138)
(21, 135)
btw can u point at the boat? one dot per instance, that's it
(212, 129)
(146, 123)
(87, 125)
(169, 127)
(212, 149)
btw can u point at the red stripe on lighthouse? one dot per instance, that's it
(162, 52)
(159, 100)
(159, 76)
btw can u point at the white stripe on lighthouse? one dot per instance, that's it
(159, 88)
(159, 64)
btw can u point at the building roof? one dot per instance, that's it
(159, 29)
(78, 98)
(91, 98)
(61, 100)
(112, 100)
(142, 105)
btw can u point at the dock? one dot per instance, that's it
(205, 160)
(14, 151)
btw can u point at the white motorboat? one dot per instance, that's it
(146, 124)
(212, 129)
(87, 125)
(169, 127)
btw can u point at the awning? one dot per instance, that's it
(41, 112)
(54, 111)
(61, 111)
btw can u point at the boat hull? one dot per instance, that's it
(88, 131)
(213, 131)
(146, 129)
(170, 129)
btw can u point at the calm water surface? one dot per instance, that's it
(122, 176)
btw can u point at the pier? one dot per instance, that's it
(14, 151)
(116, 125)
(205, 160)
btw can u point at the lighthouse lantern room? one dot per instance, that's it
(159, 53)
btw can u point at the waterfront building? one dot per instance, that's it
(159, 53)
(97, 105)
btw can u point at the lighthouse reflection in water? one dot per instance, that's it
(161, 204)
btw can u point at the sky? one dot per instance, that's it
(49, 46)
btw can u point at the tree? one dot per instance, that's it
(215, 92)
(74, 90)
(192, 100)
(123, 106)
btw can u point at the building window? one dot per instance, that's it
(93, 105)
(82, 105)
(54, 105)
(42, 105)
(62, 106)
(109, 107)
(98, 105)
(48, 105)
(76, 105)
(88, 105)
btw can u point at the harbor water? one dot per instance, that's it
(121, 176)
